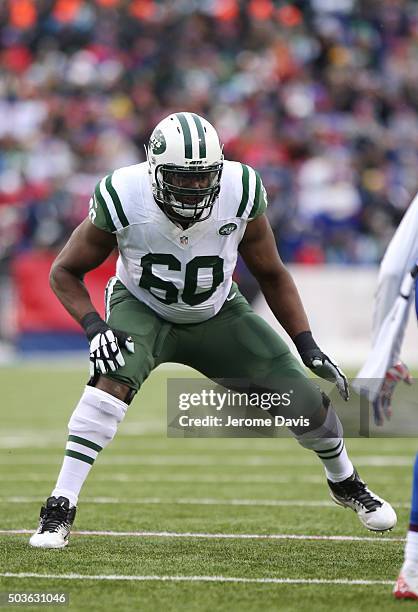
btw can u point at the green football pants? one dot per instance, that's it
(235, 344)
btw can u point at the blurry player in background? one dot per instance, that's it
(178, 221)
(383, 369)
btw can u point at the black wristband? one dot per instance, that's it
(305, 342)
(92, 323)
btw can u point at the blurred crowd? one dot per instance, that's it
(321, 96)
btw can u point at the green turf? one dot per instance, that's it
(162, 484)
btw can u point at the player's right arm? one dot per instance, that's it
(86, 249)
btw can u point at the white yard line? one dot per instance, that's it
(217, 479)
(197, 460)
(186, 478)
(193, 478)
(56, 438)
(115, 577)
(201, 501)
(220, 536)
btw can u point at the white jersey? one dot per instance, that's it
(393, 298)
(184, 275)
(400, 257)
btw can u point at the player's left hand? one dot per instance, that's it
(382, 407)
(322, 366)
(319, 363)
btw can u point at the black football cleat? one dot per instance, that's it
(373, 512)
(55, 522)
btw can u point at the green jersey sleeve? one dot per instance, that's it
(99, 212)
(260, 199)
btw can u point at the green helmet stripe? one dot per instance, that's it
(102, 202)
(115, 198)
(188, 152)
(201, 134)
(256, 204)
(245, 188)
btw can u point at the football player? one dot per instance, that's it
(383, 369)
(178, 221)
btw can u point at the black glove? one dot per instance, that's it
(319, 363)
(105, 343)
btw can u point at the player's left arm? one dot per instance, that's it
(259, 251)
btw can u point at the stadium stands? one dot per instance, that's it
(320, 96)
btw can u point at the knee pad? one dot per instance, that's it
(331, 430)
(99, 413)
(93, 380)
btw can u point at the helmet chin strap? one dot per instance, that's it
(188, 212)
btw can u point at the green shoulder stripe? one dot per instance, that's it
(99, 213)
(256, 195)
(245, 190)
(116, 201)
(260, 198)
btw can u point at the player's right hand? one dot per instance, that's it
(382, 407)
(105, 344)
(105, 353)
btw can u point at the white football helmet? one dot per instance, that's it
(185, 164)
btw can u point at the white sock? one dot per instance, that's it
(334, 457)
(327, 442)
(80, 454)
(71, 478)
(92, 426)
(411, 549)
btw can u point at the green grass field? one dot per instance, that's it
(172, 495)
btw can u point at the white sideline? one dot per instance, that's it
(203, 501)
(218, 536)
(194, 579)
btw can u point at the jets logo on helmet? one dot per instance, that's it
(157, 142)
(185, 161)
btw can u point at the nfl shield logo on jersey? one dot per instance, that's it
(184, 240)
